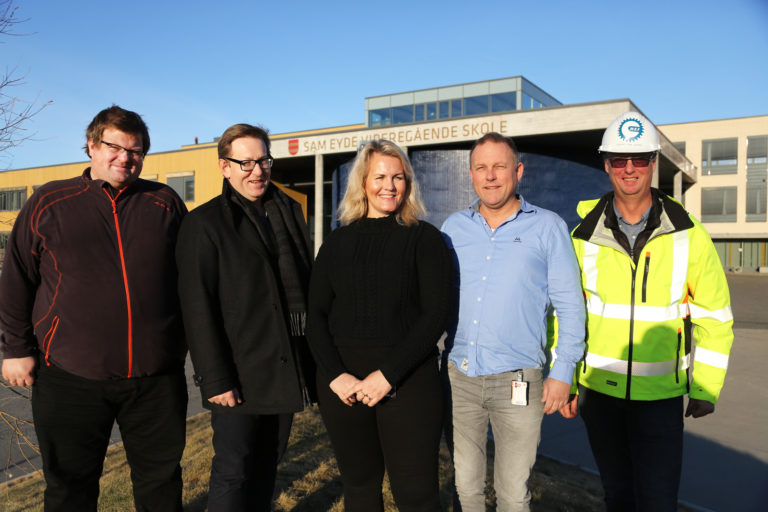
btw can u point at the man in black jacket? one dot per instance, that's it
(90, 320)
(244, 260)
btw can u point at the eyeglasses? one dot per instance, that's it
(637, 161)
(264, 162)
(115, 149)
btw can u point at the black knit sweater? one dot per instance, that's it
(378, 284)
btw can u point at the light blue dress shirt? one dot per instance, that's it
(507, 278)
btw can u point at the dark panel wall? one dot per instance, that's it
(553, 183)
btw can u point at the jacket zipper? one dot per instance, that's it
(125, 281)
(645, 272)
(631, 328)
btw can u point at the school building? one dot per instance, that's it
(717, 169)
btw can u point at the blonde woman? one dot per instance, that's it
(379, 299)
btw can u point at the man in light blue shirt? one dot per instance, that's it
(514, 260)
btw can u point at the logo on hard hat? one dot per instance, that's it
(630, 129)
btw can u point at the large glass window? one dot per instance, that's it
(527, 102)
(757, 177)
(444, 109)
(476, 105)
(379, 117)
(431, 111)
(12, 199)
(503, 101)
(402, 114)
(455, 108)
(418, 112)
(718, 204)
(719, 156)
(184, 186)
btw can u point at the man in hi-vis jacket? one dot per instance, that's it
(649, 270)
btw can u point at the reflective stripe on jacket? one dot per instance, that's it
(641, 303)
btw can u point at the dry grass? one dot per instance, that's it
(308, 479)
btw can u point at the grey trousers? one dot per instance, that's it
(516, 432)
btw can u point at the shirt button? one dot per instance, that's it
(487, 257)
(474, 321)
(471, 342)
(484, 278)
(479, 299)
(493, 239)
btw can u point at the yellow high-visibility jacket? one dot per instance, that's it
(641, 303)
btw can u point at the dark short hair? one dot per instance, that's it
(117, 117)
(495, 137)
(238, 131)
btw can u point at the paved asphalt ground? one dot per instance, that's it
(725, 457)
(725, 466)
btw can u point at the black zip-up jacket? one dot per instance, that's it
(89, 279)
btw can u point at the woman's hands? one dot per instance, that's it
(373, 388)
(345, 386)
(368, 391)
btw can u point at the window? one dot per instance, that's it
(757, 152)
(503, 101)
(3, 244)
(476, 105)
(445, 110)
(680, 146)
(757, 174)
(184, 186)
(12, 199)
(718, 156)
(379, 117)
(718, 204)
(402, 114)
(756, 201)
(418, 113)
(455, 108)
(527, 102)
(431, 111)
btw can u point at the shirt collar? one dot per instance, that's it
(525, 207)
(622, 220)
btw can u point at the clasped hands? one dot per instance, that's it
(368, 391)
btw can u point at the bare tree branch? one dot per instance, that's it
(14, 111)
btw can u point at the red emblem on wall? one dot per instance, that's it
(293, 146)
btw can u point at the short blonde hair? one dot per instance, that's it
(355, 203)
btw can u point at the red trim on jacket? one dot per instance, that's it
(125, 278)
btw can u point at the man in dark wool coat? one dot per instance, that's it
(244, 261)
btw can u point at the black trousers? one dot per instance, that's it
(73, 420)
(638, 447)
(401, 434)
(247, 448)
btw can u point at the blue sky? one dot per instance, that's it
(193, 68)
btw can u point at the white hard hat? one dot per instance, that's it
(631, 132)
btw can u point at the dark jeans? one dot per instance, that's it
(401, 433)
(638, 447)
(73, 419)
(247, 449)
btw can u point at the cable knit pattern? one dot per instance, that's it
(379, 284)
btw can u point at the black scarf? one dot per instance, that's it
(289, 244)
